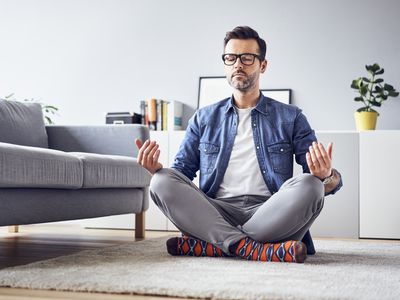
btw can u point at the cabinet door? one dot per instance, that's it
(155, 219)
(339, 216)
(379, 184)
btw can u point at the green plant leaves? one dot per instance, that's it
(363, 89)
(373, 69)
(375, 103)
(388, 87)
(372, 91)
(393, 94)
(355, 84)
(366, 109)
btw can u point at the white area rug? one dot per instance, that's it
(340, 270)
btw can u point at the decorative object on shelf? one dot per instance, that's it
(174, 115)
(123, 118)
(215, 88)
(372, 92)
(48, 110)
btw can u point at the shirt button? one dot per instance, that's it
(264, 171)
(254, 124)
(258, 147)
(281, 150)
(205, 150)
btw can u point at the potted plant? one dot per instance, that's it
(372, 92)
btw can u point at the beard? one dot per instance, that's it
(243, 85)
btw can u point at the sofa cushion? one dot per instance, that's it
(112, 171)
(22, 123)
(32, 167)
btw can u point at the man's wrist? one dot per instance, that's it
(330, 178)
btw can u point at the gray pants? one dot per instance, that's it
(286, 215)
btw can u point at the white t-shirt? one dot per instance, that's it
(243, 175)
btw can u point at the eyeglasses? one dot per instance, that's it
(247, 59)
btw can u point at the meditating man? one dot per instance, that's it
(248, 205)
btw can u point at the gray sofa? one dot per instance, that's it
(56, 173)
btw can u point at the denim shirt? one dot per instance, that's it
(279, 132)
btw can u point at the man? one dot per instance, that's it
(248, 204)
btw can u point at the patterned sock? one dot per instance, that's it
(190, 246)
(290, 251)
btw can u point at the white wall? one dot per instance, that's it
(93, 56)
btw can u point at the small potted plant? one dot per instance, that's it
(372, 92)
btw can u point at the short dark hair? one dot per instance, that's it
(246, 33)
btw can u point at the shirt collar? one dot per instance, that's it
(261, 104)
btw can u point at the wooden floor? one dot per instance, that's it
(39, 242)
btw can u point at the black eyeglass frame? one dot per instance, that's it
(240, 57)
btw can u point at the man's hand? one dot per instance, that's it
(319, 160)
(148, 155)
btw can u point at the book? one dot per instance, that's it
(143, 111)
(159, 114)
(152, 113)
(165, 115)
(174, 115)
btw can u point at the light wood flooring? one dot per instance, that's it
(39, 242)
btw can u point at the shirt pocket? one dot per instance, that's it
(281, 157)
(208, 156)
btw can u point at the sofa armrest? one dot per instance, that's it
(101, 139)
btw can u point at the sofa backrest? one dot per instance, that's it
(22, 123)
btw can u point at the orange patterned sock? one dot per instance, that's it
(290, 251)
(190, 246)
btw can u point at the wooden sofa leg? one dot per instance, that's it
(139, 225)
(13, 229)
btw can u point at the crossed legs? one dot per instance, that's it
(286, 215)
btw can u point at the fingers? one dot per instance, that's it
(310, 163)
(314, 156)
(322, 155)
(150, 158)
(141, 150)
(146, 159)
(319, 160)
(329, 149)
(148, 154)
(138, 143)
(157, 155)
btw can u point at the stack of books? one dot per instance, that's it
(162, 115)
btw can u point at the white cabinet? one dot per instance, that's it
(379, 184)
(175, 139)
(339, 217)
(155, 219)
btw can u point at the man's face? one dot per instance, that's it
(240, 76)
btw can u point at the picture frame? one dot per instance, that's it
(281, 95)
(216, 88)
